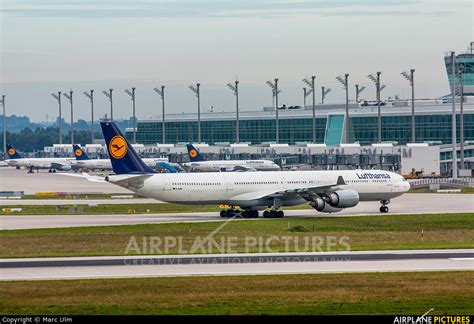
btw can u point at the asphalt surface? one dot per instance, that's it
(406, 204)
(236, 264)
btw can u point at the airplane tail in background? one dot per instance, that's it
(12, 153)
(79, 153)
(193, 154)
(125, 160)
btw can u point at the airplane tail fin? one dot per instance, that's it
(79, 153)
(125, 160)
(193, 154)
(12, 153)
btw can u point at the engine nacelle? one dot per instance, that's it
(343, 198)
(320, 205)
(65, 168)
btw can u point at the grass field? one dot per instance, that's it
(362, 293)
(362, 233)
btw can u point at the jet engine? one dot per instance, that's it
(342, 198)
(320, 205)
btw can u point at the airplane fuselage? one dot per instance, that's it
(229, 165)
(255, 189)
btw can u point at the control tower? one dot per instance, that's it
(464, 69)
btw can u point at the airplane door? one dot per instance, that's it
(167, 184)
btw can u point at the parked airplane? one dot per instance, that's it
(200, 164)
(325, 191)
(83, 161)
(53, 164)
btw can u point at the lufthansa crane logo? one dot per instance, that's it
(11, 151)
(193, 153)
(78, 152)
(118, 147)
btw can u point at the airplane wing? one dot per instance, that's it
(304, 192)
(240, 168)
(84, 175)
(60, 166)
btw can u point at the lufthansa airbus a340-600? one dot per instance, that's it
(325, 191)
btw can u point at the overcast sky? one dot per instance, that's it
(48, 45)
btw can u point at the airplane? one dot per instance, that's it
(198, 163)
(83, 160)
(325, 191)
(52, 164)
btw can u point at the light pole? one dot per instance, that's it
(461, 115)
(90, 95)
(197, 92)
(378, 88)
(235, 88)
(161, 92)
(69, 97)
(358, 91)
(324, 92)
(58, 98)
(4, 129)
(134, 122)
(109, 95)
(411, 79)
(311, 84)
(275, 91)
(453, 134)
(345, 84)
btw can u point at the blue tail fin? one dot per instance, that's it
(122, 155)
(193, 154)
(79, 153)
(12, 153)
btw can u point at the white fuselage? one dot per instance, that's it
(230, 165)
(41, 163)
(252, 189)
(105, 164)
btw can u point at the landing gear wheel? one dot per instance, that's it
(223, 213)
(266, 214)
(279, 214)
(384, 209)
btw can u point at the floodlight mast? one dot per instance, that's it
(197, 92)
(69, 97)
(461, 70)
(134, 122)
(58, 98)
(358, 92)
(274, 87)
(235, 89)
(90, 95)
(311, 84)
(4, 129)
(453, 118)
(324, 92)
(109, 95)
(378, 88)
(161, 92)
(411, 79)
(345, 84)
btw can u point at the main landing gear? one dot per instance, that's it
(247, 213)
(384, 208)
(273, 213)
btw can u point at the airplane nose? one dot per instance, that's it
(407, 186)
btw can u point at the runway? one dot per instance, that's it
(406, 204)
(12, 179)
(236, 264)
